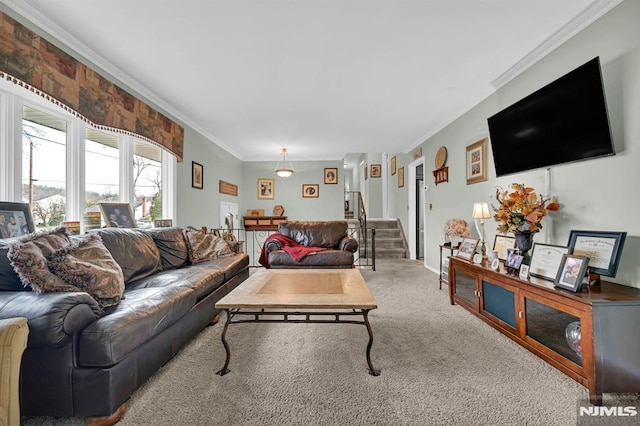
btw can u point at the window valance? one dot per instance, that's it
(31, 61)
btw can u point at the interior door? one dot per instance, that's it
(419, 212)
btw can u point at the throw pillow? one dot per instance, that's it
(203, 246)
(28, 256)
(88, 266)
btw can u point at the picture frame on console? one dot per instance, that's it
(603, 248)
(467, 248)
(163, 223)
(545, 260)
(572, 272)
(15, 220)
(502, 243)
(118, 215)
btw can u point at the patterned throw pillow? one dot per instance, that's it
(203, 246)
(88, 266)
(28, 256)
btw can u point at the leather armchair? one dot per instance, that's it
(332, 236)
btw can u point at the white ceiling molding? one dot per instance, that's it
(45, 24)
(580, 22)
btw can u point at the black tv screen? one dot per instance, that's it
(563, 122)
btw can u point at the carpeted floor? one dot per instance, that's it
(439, 366)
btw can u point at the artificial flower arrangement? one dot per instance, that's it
(521, 209)
(456, 227)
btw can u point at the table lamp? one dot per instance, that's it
(481, 211)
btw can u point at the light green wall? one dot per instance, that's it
(374, 187)
(288, 191)
(598, 194)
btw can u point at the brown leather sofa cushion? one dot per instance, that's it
(172, 246)
(326, 234)
(321, 259)
(203, 281)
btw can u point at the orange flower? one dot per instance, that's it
(521, 209)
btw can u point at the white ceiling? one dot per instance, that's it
(322, 77)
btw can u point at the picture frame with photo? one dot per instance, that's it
(393, 166)
(376, 170)
(603, 248)
(573, 269)
(467, 248)
(266, 188)
(15, 220)
(162, 223)
(545, 260)
(477, 162)
(197, 175)
(310, 190)
(401, 177)
(330, 175)
(502, 243)
(524, 272)
(118, 215)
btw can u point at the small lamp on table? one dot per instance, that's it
(481, 211)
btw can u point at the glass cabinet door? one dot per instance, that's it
(500, 302)
(465, 286)
(555, 329)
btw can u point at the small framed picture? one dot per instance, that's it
(266, 188)
(310, 190)
(15, 220)
(467, 248)
(393, 165)
(376, 170)
(162, 223)
(495, 264)
(572, 271)
(477, 258)
(513, 260)
(477, 162)
(401, 177)
(118, 215)
(330, 175)
(524, 272)
(197, 175)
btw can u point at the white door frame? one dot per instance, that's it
(412, 209)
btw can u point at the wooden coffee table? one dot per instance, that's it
(327, 296)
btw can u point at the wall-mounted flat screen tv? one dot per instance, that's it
(563, 122)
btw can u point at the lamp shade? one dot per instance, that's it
(481, 211)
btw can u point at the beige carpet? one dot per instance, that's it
(439, 366)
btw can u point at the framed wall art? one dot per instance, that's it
(477, 162)
(15, 220)
(310, 190)
(330, 175)
(266, 188)
(118, 215)
(197, 178)
(401, 177)
(376, 170)
(602, 248)
(393, 165)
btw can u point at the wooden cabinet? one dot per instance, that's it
(536, 315)
(263, 223)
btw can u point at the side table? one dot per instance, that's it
(445, 251)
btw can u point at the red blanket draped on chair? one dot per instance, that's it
(296, 251)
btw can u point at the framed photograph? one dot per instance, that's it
(266, 188)
(376, 170)
(118, 215)
(163, 223)
(467, 248)
(524, 272)
(477, 162)
(477, 258)
(571, 272)
(196, 175)
(495, 264)
(513, 260)
(366, 169)
(310, 190)
(15, 220)
(401, 177)
(330, 175)
(501, 243)
(602, 248)
(393, 165)
(545, 260)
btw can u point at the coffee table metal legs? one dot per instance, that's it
(224, 369)
(255, 316)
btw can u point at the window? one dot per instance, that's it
(102, 168)
(147, 183)
(44, 166)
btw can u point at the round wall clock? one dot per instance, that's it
(441, 157)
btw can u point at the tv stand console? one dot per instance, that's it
(535, 314)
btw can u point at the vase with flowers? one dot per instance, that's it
(455, 230)
(520, 211)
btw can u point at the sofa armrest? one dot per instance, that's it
(273, 245)
(54, 318)
(348, 243)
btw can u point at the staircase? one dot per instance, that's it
(390, 240)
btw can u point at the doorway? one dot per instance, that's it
(419, 212)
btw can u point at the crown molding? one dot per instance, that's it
(43, 23)
(588, 16)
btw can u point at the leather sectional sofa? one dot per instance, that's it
(80, 361)
(332, 236)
